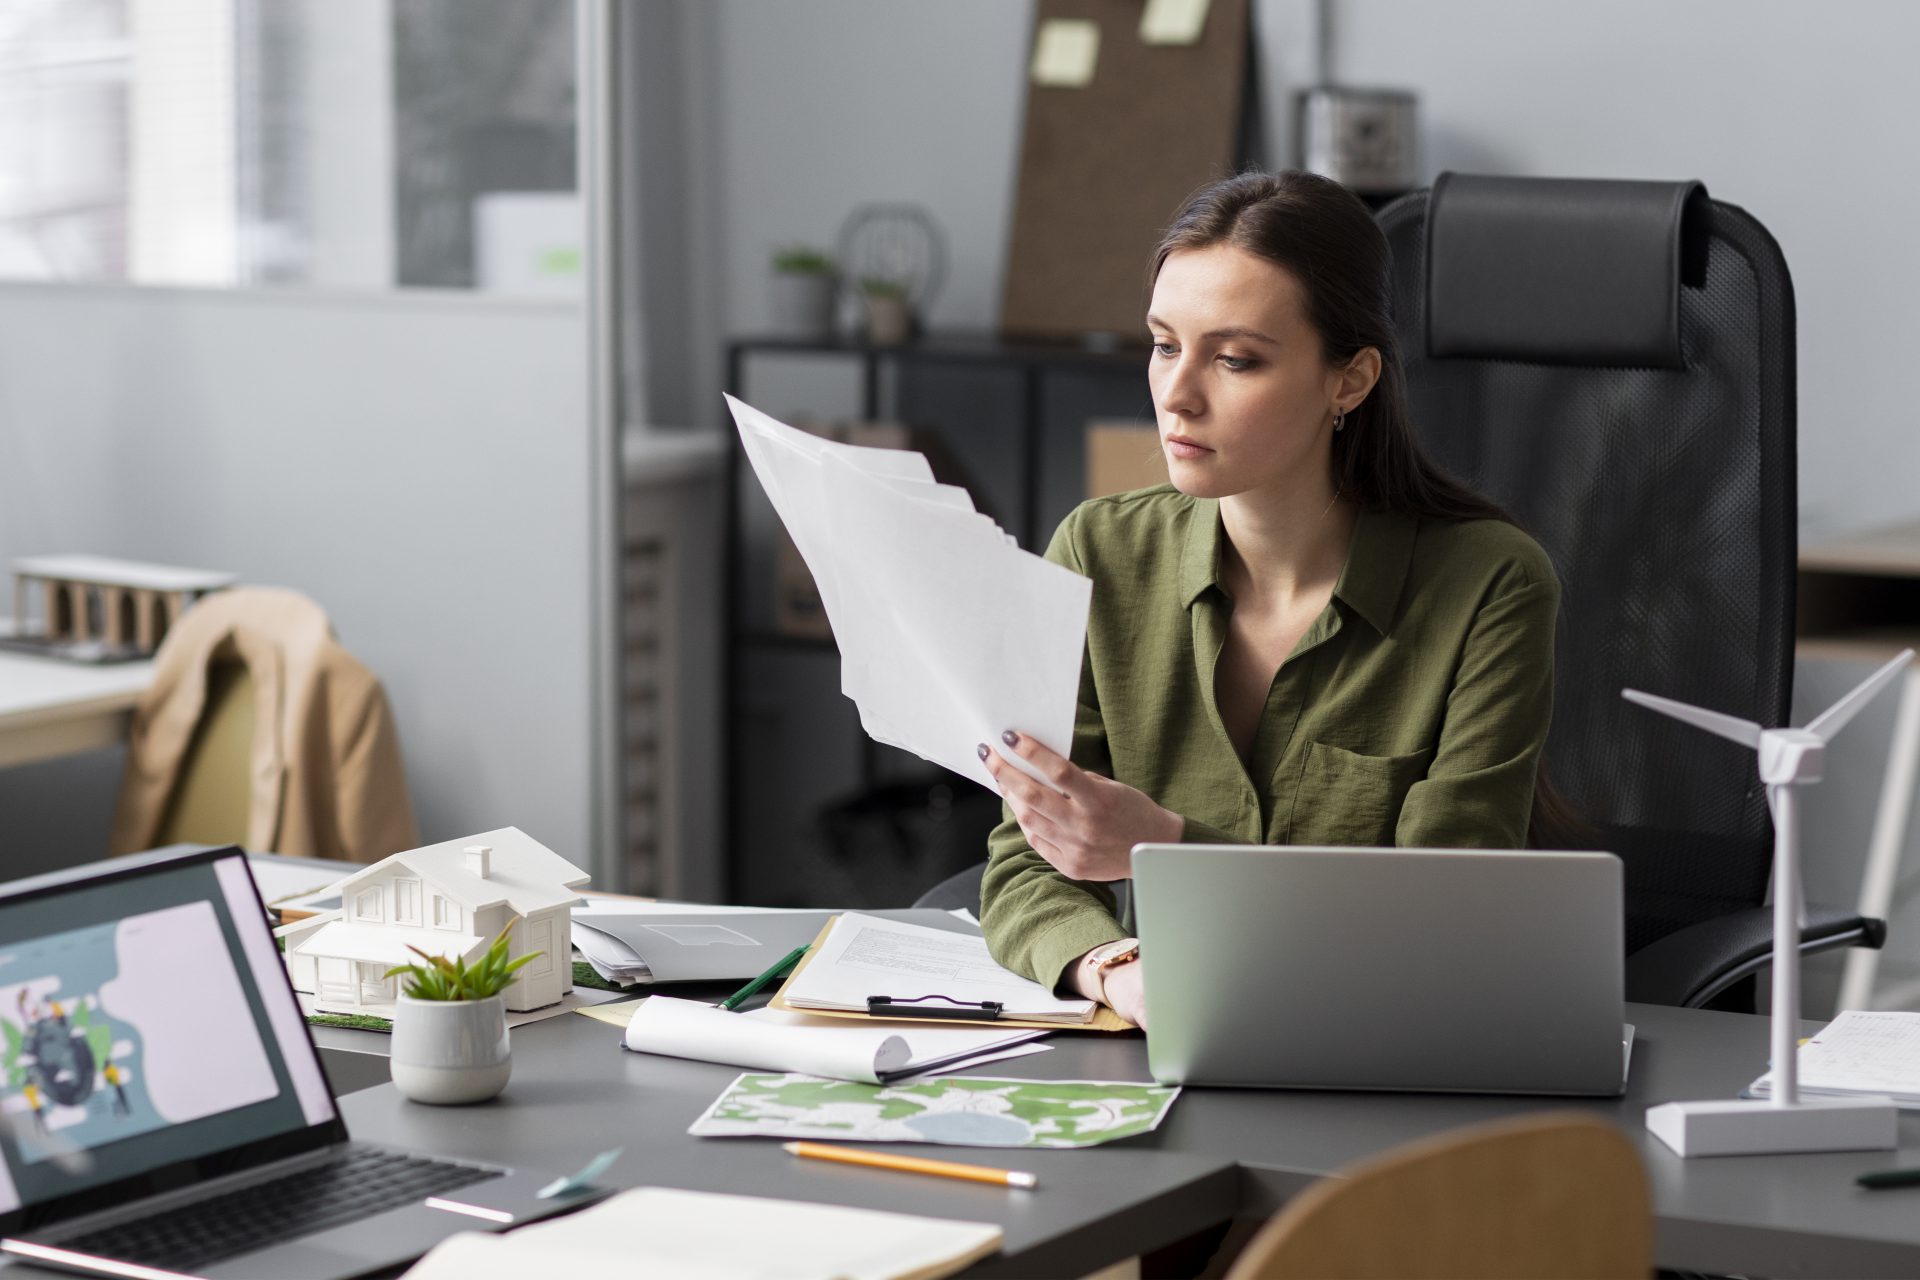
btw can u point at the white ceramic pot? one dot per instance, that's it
(450, 1051)
(803, 304)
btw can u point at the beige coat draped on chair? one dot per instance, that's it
(325, 774)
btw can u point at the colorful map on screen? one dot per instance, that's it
(124, 1027)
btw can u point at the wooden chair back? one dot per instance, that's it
(1555, 1195)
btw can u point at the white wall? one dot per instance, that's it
(419, 464)
(1796, 111)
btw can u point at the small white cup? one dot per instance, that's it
(450, 1051)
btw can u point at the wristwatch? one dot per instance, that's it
(1109, 955)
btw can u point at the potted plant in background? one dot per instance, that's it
(889, 318)
(802, 292)
(450, 1025)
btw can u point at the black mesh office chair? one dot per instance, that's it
(1614, 363)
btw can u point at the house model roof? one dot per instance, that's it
(522, 872)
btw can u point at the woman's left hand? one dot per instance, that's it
(1082, 823)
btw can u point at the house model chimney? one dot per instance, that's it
(479, 859)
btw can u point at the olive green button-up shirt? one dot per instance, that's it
(1412, 712)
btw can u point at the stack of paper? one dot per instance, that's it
(777, 1040)
(865, 956)
(698, 1235)
(629, 943)
(1859, 1055)
(949, 633)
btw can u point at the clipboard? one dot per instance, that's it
(1104, 1019)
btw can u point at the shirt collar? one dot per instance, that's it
(1370, 584)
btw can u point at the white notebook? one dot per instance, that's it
(697, 1235)
(865, 956)
(1859, 1054)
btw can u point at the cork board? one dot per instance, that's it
(1104, 166)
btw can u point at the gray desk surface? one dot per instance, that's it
(575, 1092)
(1221, 1152)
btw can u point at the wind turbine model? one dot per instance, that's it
(1789, 758)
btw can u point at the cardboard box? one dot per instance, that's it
(796, 600)
(1123, 456)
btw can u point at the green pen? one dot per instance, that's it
(1890, 1178)
(760, 983)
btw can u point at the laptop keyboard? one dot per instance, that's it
(361, 1183)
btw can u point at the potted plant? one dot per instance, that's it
(450, 1025)
(889, 319)
(802, 292)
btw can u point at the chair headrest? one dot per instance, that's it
(1562, 270)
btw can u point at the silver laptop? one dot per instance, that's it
(1458, 970)
(164, 1112)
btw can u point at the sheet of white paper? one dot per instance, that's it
(961, 636)
(1860, 1052)
(870, 956)
(949, 633)
(787, 461)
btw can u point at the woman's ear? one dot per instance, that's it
(1354, 383)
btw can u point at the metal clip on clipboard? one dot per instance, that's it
(910, 1007)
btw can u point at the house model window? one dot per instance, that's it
(445, 914)
(406, 901)
(367, 906)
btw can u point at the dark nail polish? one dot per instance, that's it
(983, 751)
(1011, 738)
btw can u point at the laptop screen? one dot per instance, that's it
(150, 1035)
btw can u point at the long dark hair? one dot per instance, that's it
(1327, 240)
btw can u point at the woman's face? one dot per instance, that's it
(1243, 397)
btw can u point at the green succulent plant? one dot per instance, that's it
(443, 979)
(800, 259)
(882, 287)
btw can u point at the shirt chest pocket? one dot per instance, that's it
(1345, 798)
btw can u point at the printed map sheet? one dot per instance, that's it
(965, 1111)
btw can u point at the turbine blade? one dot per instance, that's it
(1835, 717)
(1744, 732)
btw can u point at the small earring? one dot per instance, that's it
(1339, 422)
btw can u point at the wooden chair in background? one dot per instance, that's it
(1559, 1195)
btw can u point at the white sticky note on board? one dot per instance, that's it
(1065, 53)
(1173, 21)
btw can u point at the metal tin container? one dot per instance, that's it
(1364, 139)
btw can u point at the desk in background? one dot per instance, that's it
(50, 708)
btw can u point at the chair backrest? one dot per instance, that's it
(1614, 363)
(1546, 1196)
(257, 714)
(213, 797)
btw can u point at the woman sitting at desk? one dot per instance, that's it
(1312, 636)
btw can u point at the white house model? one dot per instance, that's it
(446, 899)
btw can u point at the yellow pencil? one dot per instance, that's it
(912, 1164)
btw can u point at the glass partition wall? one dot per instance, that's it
(370, 144)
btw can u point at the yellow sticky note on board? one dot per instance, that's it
(1065, 53)
(1173, 21)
